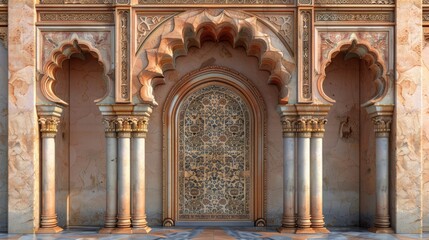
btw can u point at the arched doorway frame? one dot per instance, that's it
(195, 80)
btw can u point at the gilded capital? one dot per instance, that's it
(318, 126)
(140, 125)
(124, 126)
(49, 125)
(110, 126)
(288, 126)
(382, 125)
(304, 127)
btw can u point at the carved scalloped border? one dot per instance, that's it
(187, 32)
(63, 52)
(351, 42)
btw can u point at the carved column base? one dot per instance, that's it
(304, 230)
(106, 230)
(45, 230)
(381, 230)
(321, 230)
(286, 229)
(142, 229)
(122, 231)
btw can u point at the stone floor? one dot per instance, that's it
(217, 233)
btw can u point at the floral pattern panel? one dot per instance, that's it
(214, 166)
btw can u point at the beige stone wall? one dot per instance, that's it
(81, 168)
(3, 138)
(425, 134)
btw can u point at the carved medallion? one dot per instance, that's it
(214, 175)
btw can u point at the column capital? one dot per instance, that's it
(140, 124)
(109, 126)
(288, 126)
(124, 126)
(318, 126)
(382, 125)
(49, 118)
(304, 127)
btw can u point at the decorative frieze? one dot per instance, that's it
(76, 1)
(284, 25)
(49, 125)
(92, 17)
(354, 16)
(219, 2)
(305, 87)
(355, 2)
(304, 2)
(3, 1)
(3, 18)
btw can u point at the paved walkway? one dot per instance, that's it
(218, 234)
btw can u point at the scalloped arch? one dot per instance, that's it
(56, 59)
(238, 28)
(355, 47)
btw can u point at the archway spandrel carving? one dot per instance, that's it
(62, 52)
(195, 27)
(370, 46)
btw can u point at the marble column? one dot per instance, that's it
(316, 172)
(124, 130)
(382, 134)
(112, 175)
(303, 175)
(48, 121)
(289, 139)
(139, 222)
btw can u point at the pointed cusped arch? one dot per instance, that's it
(55, 61)
(192, 29)
(354, 47)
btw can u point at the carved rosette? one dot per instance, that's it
(288, 126)
(124, 127)
(110, 127)
(382, 126)
(49, 126)
(140, 125)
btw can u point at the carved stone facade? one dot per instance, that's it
(129, 114)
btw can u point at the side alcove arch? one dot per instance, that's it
(240, 88)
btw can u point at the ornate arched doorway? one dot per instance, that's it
(214, 164)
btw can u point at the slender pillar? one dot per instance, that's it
(138, 175)
(316, 172)
(48, 130)
(123, 224)
(382, 134)
(112, 175)
(289, 139)
(303, 157)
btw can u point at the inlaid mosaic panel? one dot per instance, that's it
(214, 171)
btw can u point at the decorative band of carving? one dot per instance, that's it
(349, 2)
(3, 2)
(77, 17)
(124, 127)
(123, 49)
(304, 2)
(355, 16)
(49, 126)
(425, 16)
(305, 79)
(221, 2)
(303, 126)
(382, 125)
(76, 1)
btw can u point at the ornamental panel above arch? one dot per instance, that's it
(372, 44)
(172, 38)
(58, 44)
